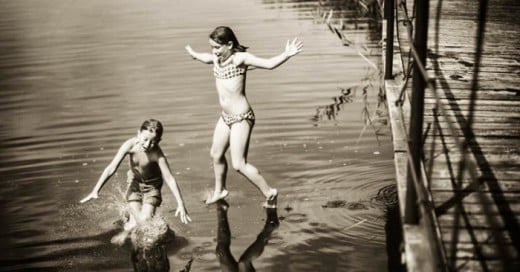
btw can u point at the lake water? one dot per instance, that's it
(77, 78)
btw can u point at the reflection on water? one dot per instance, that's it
(76, 78)
(330, 111)
(253, 251)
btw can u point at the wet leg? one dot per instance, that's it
(147, 212)
(239, 145)
(134, 209)
(218, 150)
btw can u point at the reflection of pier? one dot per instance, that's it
(455, 110)
(330, 111)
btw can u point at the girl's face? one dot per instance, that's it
(147, 140)
(222, 51)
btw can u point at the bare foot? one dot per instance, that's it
(130, 224)
(120, 238)
(217, 196)
(271, 199)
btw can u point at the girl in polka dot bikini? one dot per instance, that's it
(230, 63)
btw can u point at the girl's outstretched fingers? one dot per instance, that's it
(293, 47)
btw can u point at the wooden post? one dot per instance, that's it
(389, 52)
(417, 109)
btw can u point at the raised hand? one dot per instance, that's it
(189, 49)
(293, 47)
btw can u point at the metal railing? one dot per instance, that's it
(418, 203)
(419, 208)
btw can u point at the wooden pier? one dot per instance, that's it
(455, 119)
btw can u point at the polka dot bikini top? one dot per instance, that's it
(229, 70)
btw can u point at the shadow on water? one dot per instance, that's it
(143, 258)
(70, 249)
(245, 262)
(394, 237)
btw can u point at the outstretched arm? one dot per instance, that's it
(109, 170)
(291, 48)
(202, 57)
(172, 184)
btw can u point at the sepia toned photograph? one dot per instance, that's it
(260, 135)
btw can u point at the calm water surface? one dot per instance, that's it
(77, 78)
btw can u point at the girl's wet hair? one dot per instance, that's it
(224, 35)
(153, 126)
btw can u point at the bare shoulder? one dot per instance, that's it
(129, 145)
(240, 58)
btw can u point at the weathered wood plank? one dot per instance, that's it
(473, 264)
(488, 252)
(499, 125)
(482, 198)
(472, 210)
(506, 133)
(506, 142)
(483, 114)
(514, 105)
(478, 235)
(414, 246)
(441, 178)
(463, 91)
(495, 128)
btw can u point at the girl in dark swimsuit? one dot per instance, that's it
(230, 64)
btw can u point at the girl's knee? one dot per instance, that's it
(216, 156)
(239, 165)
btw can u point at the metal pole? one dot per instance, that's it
(417, 108)
(389, 16)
